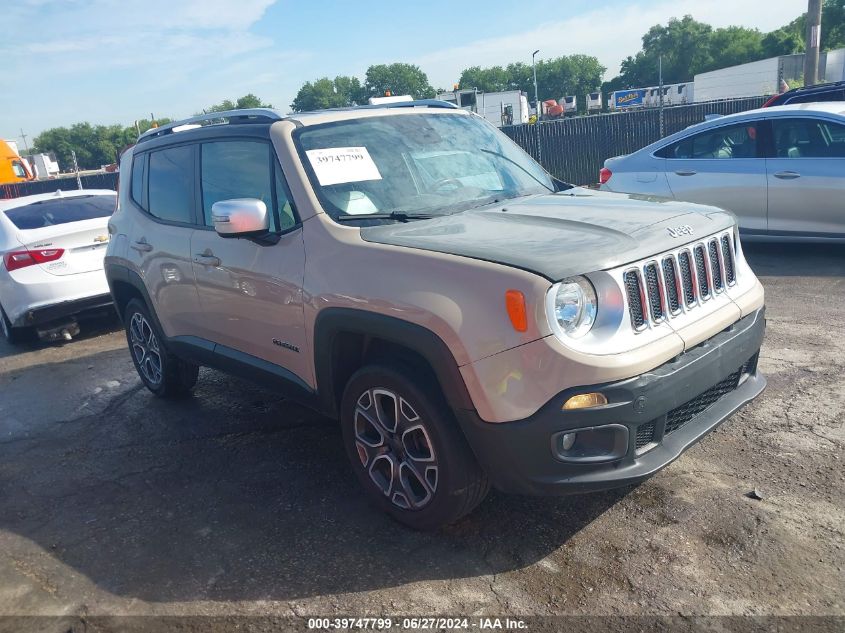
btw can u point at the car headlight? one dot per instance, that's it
(571, 307)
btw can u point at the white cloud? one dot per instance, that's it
(609, 33)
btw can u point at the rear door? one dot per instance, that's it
(724, 167)
(69, 233)
(806, 177)
(163, 187)
(251, 291)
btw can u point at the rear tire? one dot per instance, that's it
(164, 374)
(13, 335)
(406, 449)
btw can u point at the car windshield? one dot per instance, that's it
(417, 165)
(61, 211)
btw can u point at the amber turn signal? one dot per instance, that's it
(515, 304)
(584, 401)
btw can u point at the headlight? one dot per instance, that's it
(571, 307)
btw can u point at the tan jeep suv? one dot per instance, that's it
(410, 271)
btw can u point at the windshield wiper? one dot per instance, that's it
(402, 216)
(513, 162)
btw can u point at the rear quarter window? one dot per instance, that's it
(63, 211)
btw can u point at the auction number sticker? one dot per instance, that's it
(338, 165)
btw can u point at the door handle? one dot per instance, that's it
(141, 246)
(206, 259)
(787, 175)
(686, 172)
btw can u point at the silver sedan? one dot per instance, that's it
(781, 170)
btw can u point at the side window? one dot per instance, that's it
(171, 184)
(808, 138)
(235, 169)
(286, 218)
(731, 141)
(18, 169)
(139, 169)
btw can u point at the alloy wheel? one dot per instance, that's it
(145, 348)
(395, 448)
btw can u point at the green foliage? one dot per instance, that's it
(245, 102)
(689, 47)
(95, 145)
(556, 78)
(399, 79)
(325, 93)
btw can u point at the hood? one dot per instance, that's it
(559, 235)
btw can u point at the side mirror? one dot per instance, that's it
(240, 217)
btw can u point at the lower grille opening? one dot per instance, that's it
(679, 416)
(645, 435)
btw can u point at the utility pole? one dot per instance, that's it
(26, 146)
(660, 88)
(814, 40)
(76, 169)
(537, 106)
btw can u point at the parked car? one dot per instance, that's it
(834, 91)
(781, 170)
(52, 246)
(409, 270)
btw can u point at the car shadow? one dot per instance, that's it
(795, 260)
(90, 326)
(236, 494)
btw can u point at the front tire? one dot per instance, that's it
(406, 449)
(161, 372)
(13, 335)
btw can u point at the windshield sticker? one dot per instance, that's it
(338, 165)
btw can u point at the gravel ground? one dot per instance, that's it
(236, 502)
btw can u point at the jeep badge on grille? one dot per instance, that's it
(678, 231)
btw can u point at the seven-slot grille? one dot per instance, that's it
(667, 286)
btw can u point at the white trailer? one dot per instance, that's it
(594, 102)
(44, 165)
(570, 104)
(500, 108)
(746, 80)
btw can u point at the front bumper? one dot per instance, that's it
(664, 406)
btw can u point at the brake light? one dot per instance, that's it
(604, 175)
(22, 259)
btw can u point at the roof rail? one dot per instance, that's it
(419, 103)
(247, 115)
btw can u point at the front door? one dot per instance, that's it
(721, 167)
(806, 178)
(251, 291)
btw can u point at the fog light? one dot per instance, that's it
(591, 445)
(585, 401)
(568, 441)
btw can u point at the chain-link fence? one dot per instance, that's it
(65, 183)
(574, 149)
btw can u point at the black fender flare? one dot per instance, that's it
(331, 322)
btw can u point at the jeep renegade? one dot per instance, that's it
(408, 270)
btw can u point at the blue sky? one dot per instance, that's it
(112, 61)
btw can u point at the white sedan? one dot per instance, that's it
(52, 248)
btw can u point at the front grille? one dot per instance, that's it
(671, 285)
(635, 304)
(728, 258)
(652, 284)
(701, 272)
(686, 277)
(663, 288)
(679, 416)
(645, 435)
(713, 250)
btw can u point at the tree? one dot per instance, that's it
(340, 92)
(245, 102)
(399, 79)
(556, 78)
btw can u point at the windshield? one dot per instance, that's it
(61, 211)
(422, 164)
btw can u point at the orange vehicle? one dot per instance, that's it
(12, 167)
